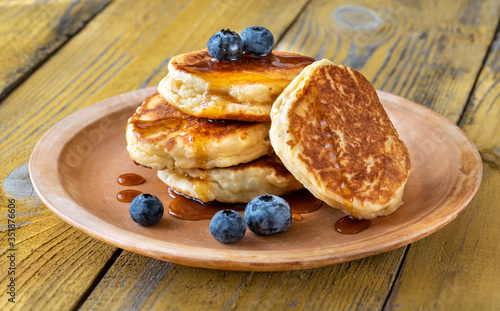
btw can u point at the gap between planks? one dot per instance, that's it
(111, 261)
(496, 37)
(396, 277)
(459, 121)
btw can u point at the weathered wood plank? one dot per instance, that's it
(427, 51)
(309, 34)
(481, 120)
(139, 283)
(98, 64)
(457, 268)
(30, 31)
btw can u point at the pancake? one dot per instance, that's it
(235, 184)
(331, 131)
(238, 90)
(159, 136)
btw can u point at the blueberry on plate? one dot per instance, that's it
(225, 45)
(146, 209)
(268, 215)
(227, 226)
(257, 41)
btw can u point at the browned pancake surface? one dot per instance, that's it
(344, 105)
(160, 136)
(333, 134)
(157, 119)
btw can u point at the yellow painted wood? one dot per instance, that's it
(54, 264)
(316, 34)
(44, 260)
(31, 30)
(427, 51)
(137, 282)
(481, 120)
(457, 268)
(128, 45)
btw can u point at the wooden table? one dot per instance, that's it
(59, 56)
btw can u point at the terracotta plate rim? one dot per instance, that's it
(46, 182)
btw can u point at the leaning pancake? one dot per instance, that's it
(331, 131)
(235, 184)
(233, 90)
(159, 136)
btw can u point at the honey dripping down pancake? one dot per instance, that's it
(161, 137)
(235, 184)
(332, 133)
(241, 90)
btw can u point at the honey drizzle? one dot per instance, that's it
(249, 69)
(297, 217)
(127, 196)
(251, 63)
(302, 201)
(130, 179)
(187, 208)
(351, 225)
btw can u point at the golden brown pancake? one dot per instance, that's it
(160, 136)
(235, 184)
(238, 90)
(331, 131)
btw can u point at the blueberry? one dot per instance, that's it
(268, 215)
(225, 45)
(227, 226)
(146, 209)
(257, 41)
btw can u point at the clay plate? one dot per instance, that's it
(75, 165)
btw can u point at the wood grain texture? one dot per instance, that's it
(139, 283)
(457, 268)
(481, 120)
(310, 35)
(55, 264)
(426, 51)
(430, 52)
(30, 31)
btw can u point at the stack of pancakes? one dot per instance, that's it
(206, 131)
(230, 131)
